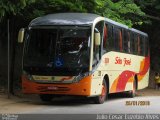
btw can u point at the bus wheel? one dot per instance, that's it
(132, 93)
(101, 98)
(46, 97)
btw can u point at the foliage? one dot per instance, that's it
(129, 12)
(152, 9)
(8, 8)
(41, 7)
(124, 11)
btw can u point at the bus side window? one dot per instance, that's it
(125, 41)
(139, 47)
(105, 38)
(129, 42)
(118, 41)
(135, 42)
(142, 47)
(146, 46)
(110, 41)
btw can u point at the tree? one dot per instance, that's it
(9, 8)
(123, 11)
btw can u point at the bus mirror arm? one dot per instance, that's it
(21, 35)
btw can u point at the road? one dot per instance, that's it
(117, 104)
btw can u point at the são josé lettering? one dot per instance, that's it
(123, 61)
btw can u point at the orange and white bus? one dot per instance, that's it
(83, 54)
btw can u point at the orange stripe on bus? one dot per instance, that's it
(114, 86)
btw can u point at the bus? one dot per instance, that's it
(83, 54)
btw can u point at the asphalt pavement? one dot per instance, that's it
(145, 102)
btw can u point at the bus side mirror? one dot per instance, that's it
(97, 38)
(21, 35)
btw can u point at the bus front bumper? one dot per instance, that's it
(83, 87)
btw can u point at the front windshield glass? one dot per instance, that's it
(57, 51)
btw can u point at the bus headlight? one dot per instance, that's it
(28, 76)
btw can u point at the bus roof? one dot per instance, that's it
(115, 23)
(138, 31)
(75, 19)
(65, 19)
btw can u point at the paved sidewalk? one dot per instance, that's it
(16, 104)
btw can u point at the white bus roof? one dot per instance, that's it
(75, 19)
(138, 31)
(115, 23)
(65, 19)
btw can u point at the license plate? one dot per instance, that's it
(52, 88)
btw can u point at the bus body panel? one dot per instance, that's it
(144, 82)
(96, 84)
(121, 69)
(80, 88)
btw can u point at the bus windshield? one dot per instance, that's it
(57, 50)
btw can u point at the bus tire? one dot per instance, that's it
(101, 98)
(132, 93)
(46, 97)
